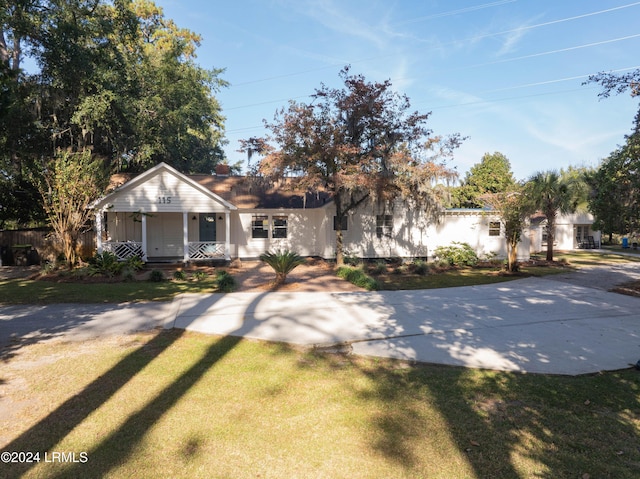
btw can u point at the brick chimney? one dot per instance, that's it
(222, 170)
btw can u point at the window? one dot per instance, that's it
(279, 227)
(494, 228)
(384, 225)
(343, 224)
(260, 226)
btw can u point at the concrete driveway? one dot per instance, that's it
(529, 325)
(536, 325)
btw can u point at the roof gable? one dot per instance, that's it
(162, 188)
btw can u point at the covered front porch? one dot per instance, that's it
(163, 237)
(163, 215)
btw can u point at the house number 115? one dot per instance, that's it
(164, 200)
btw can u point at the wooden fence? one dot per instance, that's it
(14, 245)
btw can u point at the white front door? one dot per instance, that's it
(165, 234)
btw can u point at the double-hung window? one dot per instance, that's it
(279, 227)
(384, 225)
(260, 226)
(494, 228)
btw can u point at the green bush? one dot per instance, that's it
(351, 259)
(156, 276)
(225, 282)
(358, 277)
(200, 275)
(134, 263)
(105, 264)
(420, 267)
(179, 275)
(282, 262)
(379, 268)
(458, 254)
(128, 275)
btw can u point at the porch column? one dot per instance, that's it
(143, 218)
(185, 235)
(99, 231)
(227, 234)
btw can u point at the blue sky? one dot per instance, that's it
(506, 73)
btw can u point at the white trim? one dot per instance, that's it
(185, 236)
(144, 238)
(227, 236)
(143, 177)
(99, 231)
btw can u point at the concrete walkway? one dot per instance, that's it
(529, 325)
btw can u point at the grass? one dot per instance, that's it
(183, 405)
(25, 291)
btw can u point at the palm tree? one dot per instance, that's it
(553, 193)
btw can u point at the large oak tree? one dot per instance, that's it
(115, 78)
(359, 143)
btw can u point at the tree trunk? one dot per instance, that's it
(512, 257)
(551, 225)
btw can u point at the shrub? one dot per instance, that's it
(351, 259)
(106, 264)
(458, 254)
(379, 268)
(282, 262)
(225, 282)
(358, 277)
(134, 263)
(420, 267)
(179, 275)
(200, 275)
(156, 276)
(128, 275)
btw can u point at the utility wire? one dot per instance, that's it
(468, 40)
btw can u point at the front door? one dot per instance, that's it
(165, 235)
(207, 227)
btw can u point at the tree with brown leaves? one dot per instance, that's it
(359, 143)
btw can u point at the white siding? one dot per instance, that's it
(304, 232)
(416, 234)
(565, 234)
(164, 192)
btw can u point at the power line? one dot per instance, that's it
(478, 102)
(477, 65)
(454, 12)
(467, 40)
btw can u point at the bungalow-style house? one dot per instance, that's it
(164, 215)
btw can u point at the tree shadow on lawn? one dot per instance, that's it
(499, 424)
(118, 446)
(502, 425)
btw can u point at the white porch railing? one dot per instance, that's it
(123, 249)
(200, 250)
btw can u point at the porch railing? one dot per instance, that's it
(123, 249)
(201, 250)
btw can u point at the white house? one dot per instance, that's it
(572, 231)
(164, 215)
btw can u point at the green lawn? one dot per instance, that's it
(23, 291)
(184, 405)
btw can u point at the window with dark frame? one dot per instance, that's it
(260, 226)
(343, 224)
(384, 225)
(279, 227)
(494, 228)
